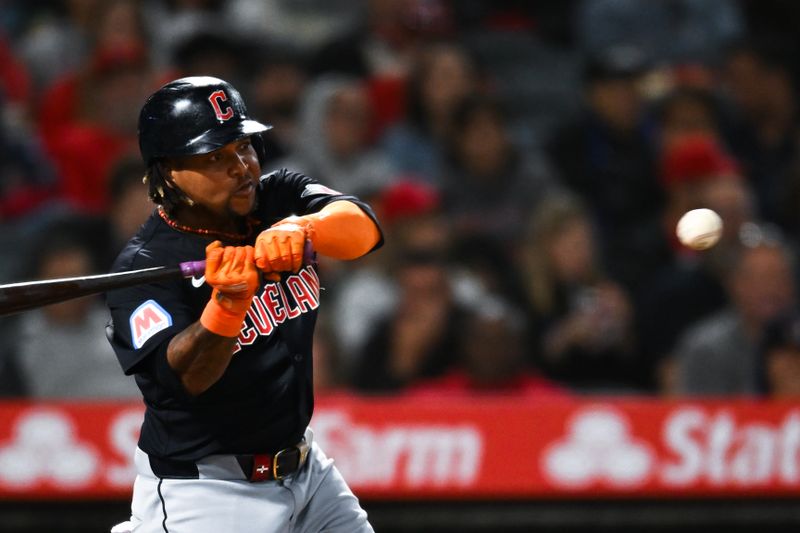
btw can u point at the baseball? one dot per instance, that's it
(699, 229)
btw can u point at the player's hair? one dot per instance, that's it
(162, 190)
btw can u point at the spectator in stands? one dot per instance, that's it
(719, 355)
(688, 111)
(410, 214)
(333, 144)
(606, 156)
(493, 359)
(61, 349)
(385, 44)
(696, 172)
(780, 352)
(759, 79)
(583, 318)
(172, 22)
(130, 205)
(383, 50)
(27, 181)
(443, 75)
(66, 35)
(89, 121)
(328, 372)
(119, 24)
(58, 40)
(691, 164)
(275, 96)
(421, 335)
(215, 50)
(489, 185)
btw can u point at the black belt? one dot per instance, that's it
(254, 467)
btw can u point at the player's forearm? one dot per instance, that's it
(201, 353)
(341, 230)
(199, 357)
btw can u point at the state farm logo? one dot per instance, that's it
(716, 449)
(598, 447)
(692, 446)
(44, 448)
(413, 455)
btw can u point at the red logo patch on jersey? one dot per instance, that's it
(147, 320)
(216, 98)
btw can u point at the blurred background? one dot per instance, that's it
(528, 161)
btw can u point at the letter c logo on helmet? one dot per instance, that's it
(215, 98)
(177, 119)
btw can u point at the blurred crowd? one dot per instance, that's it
(528, 161)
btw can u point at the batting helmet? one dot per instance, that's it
(195, 115)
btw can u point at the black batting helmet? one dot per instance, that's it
(195, 115)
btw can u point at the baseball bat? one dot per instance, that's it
(17, 297)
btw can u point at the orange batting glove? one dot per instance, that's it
(341, 230)
(231, 271)
(280, 249)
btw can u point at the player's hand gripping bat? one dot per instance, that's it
(16, 297)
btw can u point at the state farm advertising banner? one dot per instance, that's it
(468, 449)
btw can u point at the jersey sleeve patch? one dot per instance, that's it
(147, 320)
(318, 188)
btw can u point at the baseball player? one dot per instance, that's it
(224, 361)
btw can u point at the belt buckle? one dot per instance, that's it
(275, 464)
(275, 472)
(302, 448)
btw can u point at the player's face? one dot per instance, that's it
(223, 181)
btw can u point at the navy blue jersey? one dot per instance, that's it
(264, 400)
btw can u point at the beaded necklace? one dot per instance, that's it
(223, 235)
